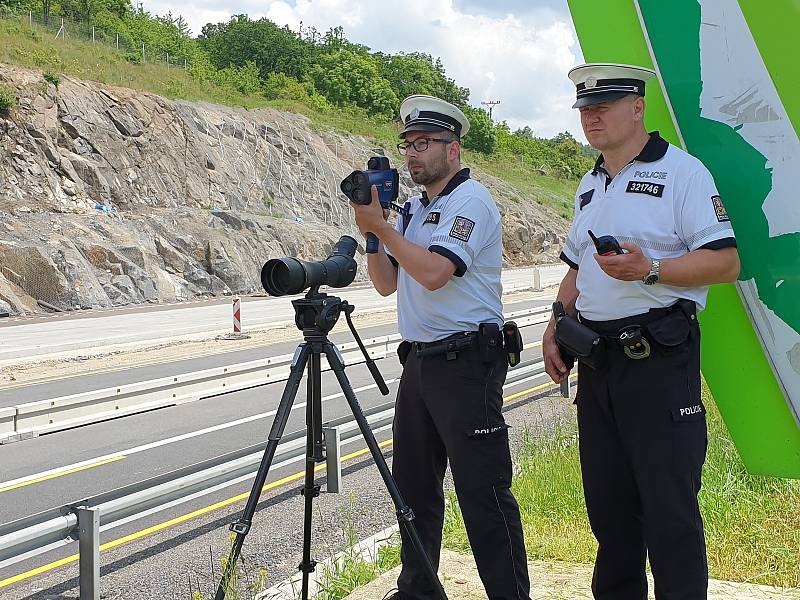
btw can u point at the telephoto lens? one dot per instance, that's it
(288, 275)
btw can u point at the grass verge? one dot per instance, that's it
(752, 522)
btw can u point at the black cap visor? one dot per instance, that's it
(600, 98)
(420, 126)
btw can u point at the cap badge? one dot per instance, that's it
(414, 113)
(591, 82)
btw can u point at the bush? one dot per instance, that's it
(52, 77)
(8, 98)
(244, 80)
(279, 86)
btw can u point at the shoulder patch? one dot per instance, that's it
(462, 229)
(719, 209)
(645, 187)
(433, 217)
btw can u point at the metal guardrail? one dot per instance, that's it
(32, 535)
(63, 412)
(83, 520)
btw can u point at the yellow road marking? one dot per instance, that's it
(201, 511)
(60, 474)
(533, 390)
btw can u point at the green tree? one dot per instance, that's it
(344, 78)
(482, 135)
(87, 11)
(418, 73)
(524, 132)
(273, 49)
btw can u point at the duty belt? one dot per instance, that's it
(631, 334)
(450, 346)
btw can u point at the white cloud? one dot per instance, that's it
(521, 60)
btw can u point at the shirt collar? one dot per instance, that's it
(455, 181)
(655, 149)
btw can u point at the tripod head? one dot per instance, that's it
(317, 313)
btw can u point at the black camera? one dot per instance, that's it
(282, 276)
(358, 188)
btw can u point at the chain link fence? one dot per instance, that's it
(59, 27)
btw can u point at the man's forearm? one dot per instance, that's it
(700, 267)
(567, 295)
(382, 272)
(568, 291)
(429, 269)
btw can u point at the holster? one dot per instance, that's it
(402, 351)
(577, 342)
(676, 326)
(490, 341)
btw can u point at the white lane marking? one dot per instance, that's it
(178, 438)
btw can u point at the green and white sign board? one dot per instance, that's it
(730, 95)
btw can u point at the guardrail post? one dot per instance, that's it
(89, 548)
(333, 451)
(537, 280)
(565, 388)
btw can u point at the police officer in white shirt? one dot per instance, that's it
(444, 260)
(641, 420)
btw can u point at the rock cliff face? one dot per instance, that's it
(110, 196)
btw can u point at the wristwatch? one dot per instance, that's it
(652, 277)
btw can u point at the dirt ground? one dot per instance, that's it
(87, 362)
(552, 581)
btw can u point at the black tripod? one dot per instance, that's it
(316, 315)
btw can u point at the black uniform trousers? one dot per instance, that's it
(642, 432)
(451, 409)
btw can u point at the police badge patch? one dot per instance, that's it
(462, 229)
(719, 209)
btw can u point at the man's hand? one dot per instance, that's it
(370, 218)
(553, 365)
(631, 266)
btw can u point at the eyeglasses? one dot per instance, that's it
(420, 144)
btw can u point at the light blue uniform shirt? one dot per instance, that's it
(462, 224)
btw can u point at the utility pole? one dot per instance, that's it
(491, 104)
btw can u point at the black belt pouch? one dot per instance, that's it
(402, 351)
(579, 342)
(489, 341)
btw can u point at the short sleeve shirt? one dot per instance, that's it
(664, 201)
(463, 225)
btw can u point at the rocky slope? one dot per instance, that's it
(110, 196)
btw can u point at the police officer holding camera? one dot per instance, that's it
(640, 416)
(444, 260)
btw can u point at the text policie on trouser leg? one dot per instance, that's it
(451, 409)
(642, 432)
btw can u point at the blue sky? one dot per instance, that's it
(515, 51)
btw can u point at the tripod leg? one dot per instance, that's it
(314, 455)
(405, 516)
(242, 525)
